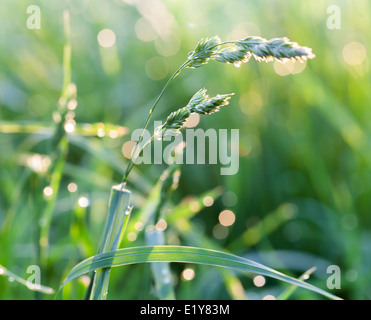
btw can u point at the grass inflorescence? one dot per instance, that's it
(239, 51)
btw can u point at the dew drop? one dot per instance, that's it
(128, 210)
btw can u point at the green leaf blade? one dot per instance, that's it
(183, 254)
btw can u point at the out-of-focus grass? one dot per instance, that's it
(301, 197)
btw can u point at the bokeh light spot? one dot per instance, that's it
(167, 46)
(161, 225)
(188, 274)
(208, 201)
(220, 232)
(259, 281)
(70, 125)
(48, 191)
(227, 218)
(251, 102)
(192, 120)
(132, 236)
(127, 148)
(144, 30)
(354, 53)
(72, 187)
(83, 202)
(106, 38)
(157, 68)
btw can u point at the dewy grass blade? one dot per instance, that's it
(118, 216)
(182, 254)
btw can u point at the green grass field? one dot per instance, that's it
(72, 93)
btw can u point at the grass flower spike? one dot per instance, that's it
(237, 52)
(201, 103)
(199, 97)
(279, 49)
(204, 51)
(174, 122)
(241, 51)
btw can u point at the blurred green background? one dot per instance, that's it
(302, 195)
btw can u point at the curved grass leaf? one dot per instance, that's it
(182, 254)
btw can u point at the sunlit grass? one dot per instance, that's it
(300, 198)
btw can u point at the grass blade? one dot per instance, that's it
(55, 179)
(183, 254)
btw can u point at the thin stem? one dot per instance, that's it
(66, 55)
(58, 148)
(131, 160)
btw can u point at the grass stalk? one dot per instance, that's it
(135, 153)
(67, 51)
(58, 146)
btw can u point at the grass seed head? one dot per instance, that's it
(260, 49)
(201, 103)
(174, 122)
(204, 51)
(275, 49)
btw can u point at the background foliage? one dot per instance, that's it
(302, 195)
